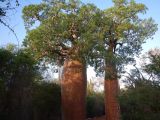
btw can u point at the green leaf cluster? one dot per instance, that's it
(140, 98)
(65, 30)
(59, 30)
(124, 32)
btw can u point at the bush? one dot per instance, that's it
(95, 104)
(46, 101)
(141, 102)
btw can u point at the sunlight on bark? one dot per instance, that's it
(73, 89)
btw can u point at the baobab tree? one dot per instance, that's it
(124, 32)
(64, 33)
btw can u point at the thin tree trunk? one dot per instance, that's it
(111, 88)
(73, 90)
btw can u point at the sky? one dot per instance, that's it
(14, 19)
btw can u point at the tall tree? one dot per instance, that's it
(64, 33)
(123, 34)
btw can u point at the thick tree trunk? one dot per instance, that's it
(111, 104)
(111, 87)
(73, 90)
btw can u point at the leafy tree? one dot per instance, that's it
(68, 32)
(5, 73)
(140, 102)
(123, 33)
(153, 67)
(46, 101)
(17, 72)
(23, 95)
(64, 32)
(140, 99)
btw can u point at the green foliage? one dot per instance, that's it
(65, 30)
(124, 20)
(140, 99)
(46, 101)
(23, 95)
(6, 59)
(153, 68)
(40, 100)
(17, 72)
(141, 102)
(95, 102)
(124, 32)
(58, 30)
(5, 74)
(33, 14)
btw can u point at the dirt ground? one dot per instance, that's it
(97, 118)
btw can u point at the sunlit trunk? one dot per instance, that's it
(111, 88)
(73, 90)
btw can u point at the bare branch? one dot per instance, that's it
(11, 31)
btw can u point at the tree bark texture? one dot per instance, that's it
(111, 87)
(73, 90)
(112, 109)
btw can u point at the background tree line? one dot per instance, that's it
(24, 95)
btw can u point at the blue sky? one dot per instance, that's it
(15, 20)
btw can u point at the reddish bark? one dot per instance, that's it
(73, 90)
(111, 103)
(111, 86)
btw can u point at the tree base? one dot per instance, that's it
(112, 108)
(73, 91)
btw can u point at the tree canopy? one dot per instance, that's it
(124, 31)
(62, 29)
(106, 39)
